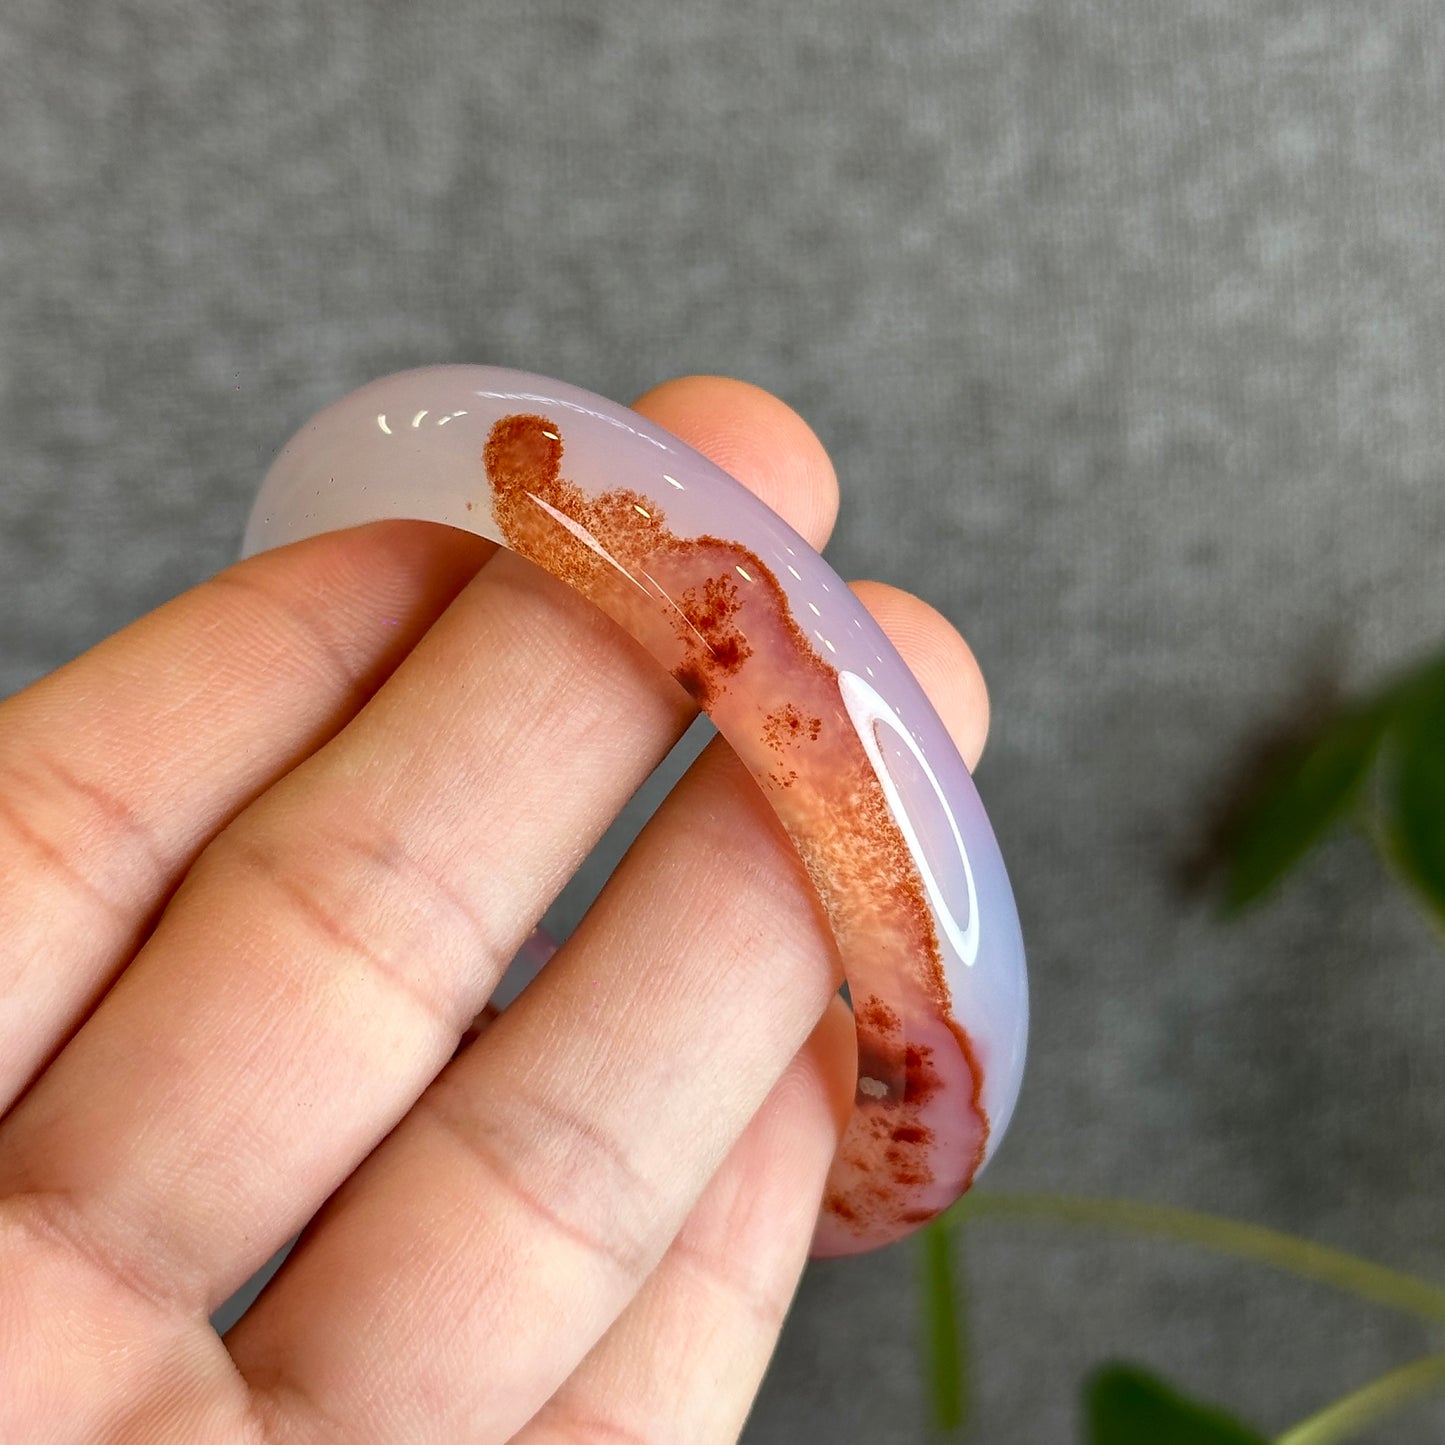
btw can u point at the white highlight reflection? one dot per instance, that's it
(866, 708)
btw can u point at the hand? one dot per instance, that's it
(265, 854)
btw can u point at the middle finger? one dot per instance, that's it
(464, 1271)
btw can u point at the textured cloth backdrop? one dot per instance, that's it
(1123, 323)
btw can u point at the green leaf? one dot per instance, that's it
(1415, 818)
(947, 1343)
(1303, 798)
(1128, 1406)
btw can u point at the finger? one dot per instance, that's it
(562, 1152)
(321, 960)
(939, 658)
(686, 1358)
(116, 770)
(787, 470)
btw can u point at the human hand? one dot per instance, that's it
(265, 853)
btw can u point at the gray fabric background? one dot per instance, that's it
(1123, 322)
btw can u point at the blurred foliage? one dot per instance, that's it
(1127, 1406)
(1376, 764)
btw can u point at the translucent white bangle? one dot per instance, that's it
(797, 677)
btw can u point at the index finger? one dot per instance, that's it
(117, 770)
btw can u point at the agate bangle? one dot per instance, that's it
(797, 677)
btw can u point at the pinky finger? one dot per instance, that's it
(685, 1359)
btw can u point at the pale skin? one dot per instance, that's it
(265, 853)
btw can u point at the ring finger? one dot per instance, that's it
(563, 1151)
(686, 1357)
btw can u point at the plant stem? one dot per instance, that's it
(1369, 1403)
(1227, 1236)
(947, 1331)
